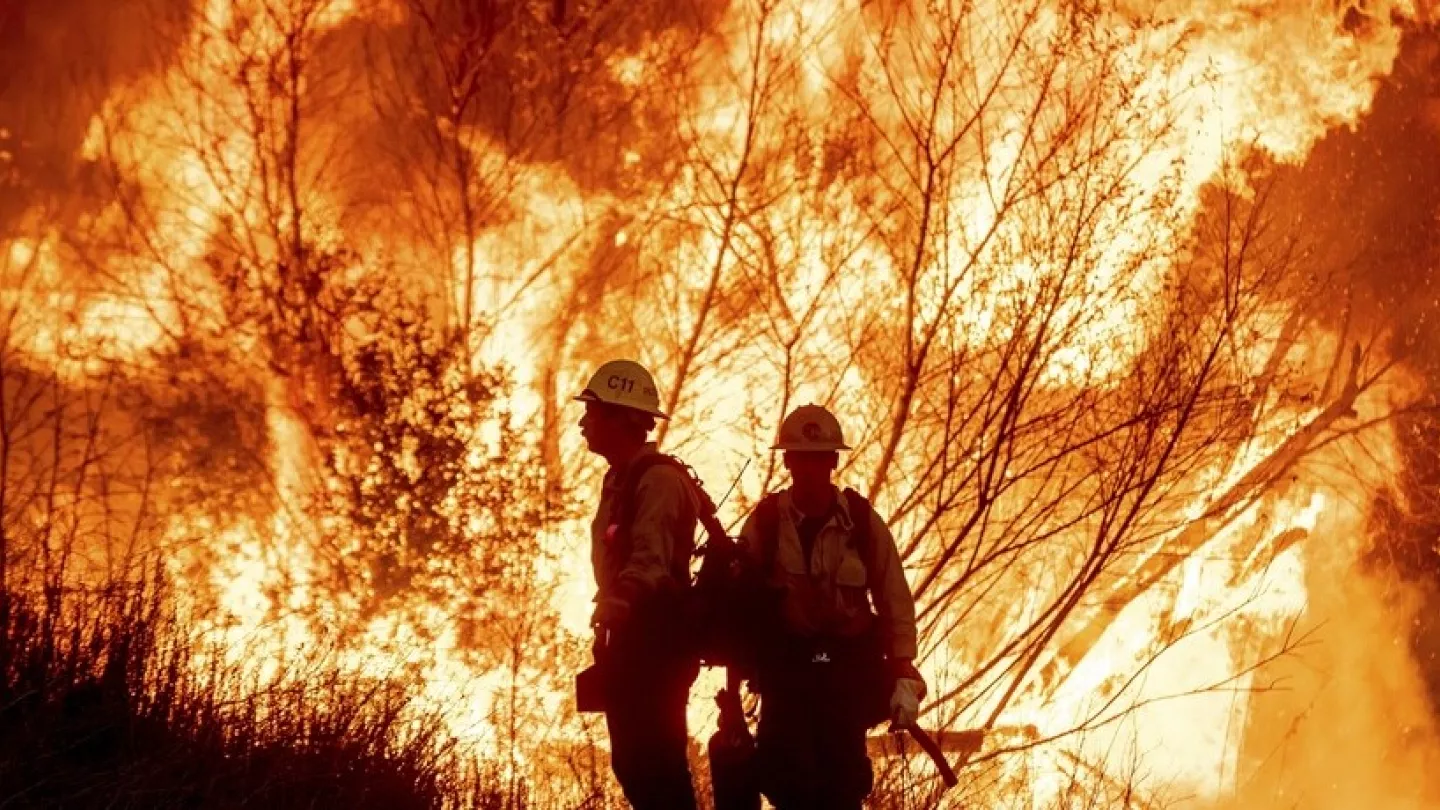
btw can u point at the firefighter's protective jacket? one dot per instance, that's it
(662, 533)
(829, 596)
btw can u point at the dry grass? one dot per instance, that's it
(100, 708)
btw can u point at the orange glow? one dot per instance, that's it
(772, 219)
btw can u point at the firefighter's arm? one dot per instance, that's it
(661, 498)
(891, 593)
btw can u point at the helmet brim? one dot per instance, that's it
(590, 396)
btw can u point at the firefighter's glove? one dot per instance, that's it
(611, 612)
(905, 702)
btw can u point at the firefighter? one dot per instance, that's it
(642, 537)
(832, 667)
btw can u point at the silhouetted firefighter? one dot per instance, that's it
(642, 537)
(827, 666)
(653, 625)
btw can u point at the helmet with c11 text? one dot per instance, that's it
(625, 383)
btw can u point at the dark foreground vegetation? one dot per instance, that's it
(98, 709)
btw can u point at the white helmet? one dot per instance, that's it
(810, 428)
(625, 383)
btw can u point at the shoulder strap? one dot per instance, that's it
(864, 539)
(626, 507)
(767, 522)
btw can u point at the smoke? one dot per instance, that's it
(1342, 723)
(1352, 718)
(511, 85)
(1367, 205)
(59, 60)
